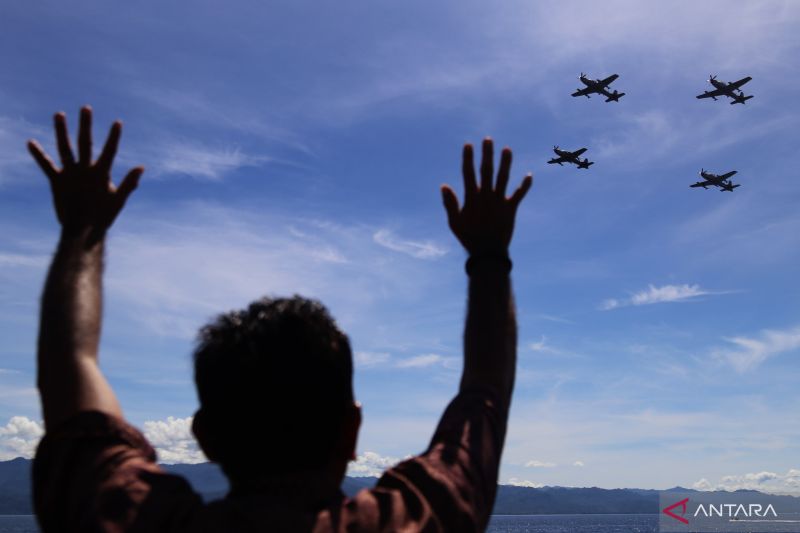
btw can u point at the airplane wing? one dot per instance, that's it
(583, 92)
(737, 84)
(727, 175)
(711, 94)
(609, 79)
(703, 184)
(576, 153)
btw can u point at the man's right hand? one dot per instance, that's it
(485, 224)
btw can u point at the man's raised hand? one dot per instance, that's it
(83, 194)
(485, 223)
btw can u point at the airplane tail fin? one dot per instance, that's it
(615, 96)
(741, 99)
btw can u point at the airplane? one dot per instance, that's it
(565, 156)
(719, 180)
(599, 87)
(722, 88)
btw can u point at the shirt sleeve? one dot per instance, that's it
(95, 472)
(452, 486)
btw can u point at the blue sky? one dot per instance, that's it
(298, 148)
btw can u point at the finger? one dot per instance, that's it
(502, 173)
(128, 185)
(45, 163)
(450, 204)
(85, 137)
(62, 140)
(468, 171)
(110, 149)
(523, 189)
(487, 165)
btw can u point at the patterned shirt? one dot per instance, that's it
(95, 472)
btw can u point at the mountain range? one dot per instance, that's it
(208, 480)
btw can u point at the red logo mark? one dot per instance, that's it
(682, 504)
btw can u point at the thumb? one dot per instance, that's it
(129, 184)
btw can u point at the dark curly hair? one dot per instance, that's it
(274, 382)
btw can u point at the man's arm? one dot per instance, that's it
(484, 226)
(86, 204)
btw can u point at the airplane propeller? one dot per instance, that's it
(712, 77)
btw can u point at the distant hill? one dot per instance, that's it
(208, 480)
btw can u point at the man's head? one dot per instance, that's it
(275, 388)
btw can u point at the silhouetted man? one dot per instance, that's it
(277, 410)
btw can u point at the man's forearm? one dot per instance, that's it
(69, 379)
(490, 334)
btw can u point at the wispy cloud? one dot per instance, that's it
(423, 361)
(655, 295)
(14, 158)
(544, 346)
(539, 464)
(749, 352)
(578, 464)
(370, 359)
(202, 259)
(200, 161)
(418, 249)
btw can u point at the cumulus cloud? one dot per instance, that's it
(749, 352)
(655, 295)
(539, 464)
(762, 481)
(516, 482)
(371, 464)
(418, 249)
(173, 440)
(19, 438)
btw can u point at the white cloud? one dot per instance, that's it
(578, 463)
(19, 438)
(543, 346)
(12, 260)
(14, 158)
(369, 359)
(762, 481)
(371, 464)
(422, 361)
(655, 295)
(199, 161)
(418, 249)
(180, 269)
(539, 464)
(751, 352)
(173, 440)
(516, 482)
